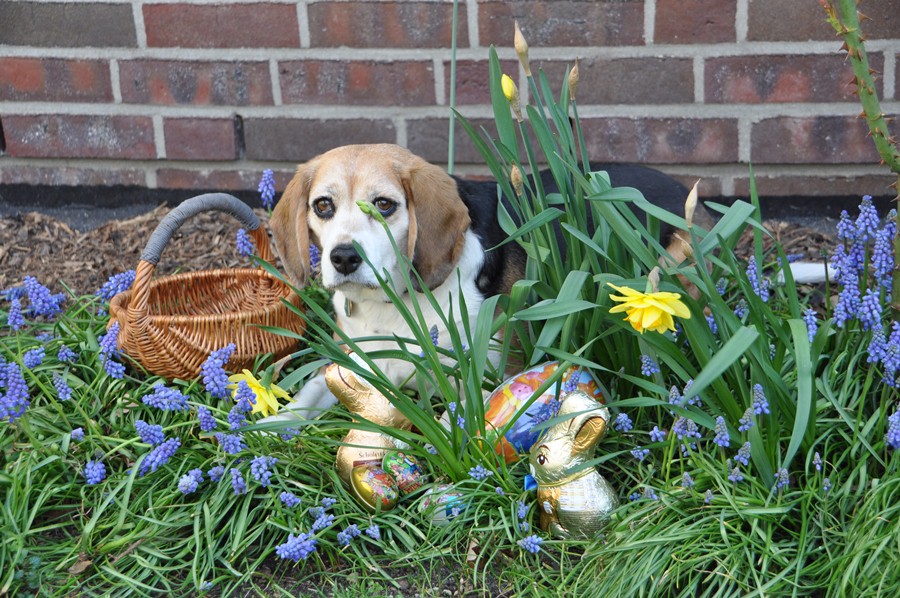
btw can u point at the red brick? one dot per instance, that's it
(661, 140)
(755, 79)
(694, 21)
(67, 24)
(222, 25)
(793, 185)
(427, 137)
(358, 82)
(54, 80)
(709, 187)
(472, 81)
(204, 83)
(804, 140)
(562, 23)
(802, 20)
(628, 80)
(201, 138)
(297, 140)
(71, 176)
(207, 179)
(385, 24)
(79, 136)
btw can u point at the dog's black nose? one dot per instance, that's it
(345, 259)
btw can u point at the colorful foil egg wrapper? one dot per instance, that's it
(442, 504)
(511, 396)
(361, 448)
(405, 469)
(375, 488)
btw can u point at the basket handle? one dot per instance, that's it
(221, 202)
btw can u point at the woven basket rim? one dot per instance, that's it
(116, 302)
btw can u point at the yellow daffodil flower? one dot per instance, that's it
(649, 311)
(266, 396)
(509, 88)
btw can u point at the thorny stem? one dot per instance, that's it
(846, 24)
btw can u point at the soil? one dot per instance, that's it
(61, 256)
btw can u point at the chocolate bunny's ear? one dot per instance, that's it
(589, 434)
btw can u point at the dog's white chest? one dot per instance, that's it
(377, 317)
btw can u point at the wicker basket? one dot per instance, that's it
(172, 324)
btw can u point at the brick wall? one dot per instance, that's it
(190, 94)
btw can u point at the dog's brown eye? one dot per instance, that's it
(323, 207)
(542, 459)
(385, 206)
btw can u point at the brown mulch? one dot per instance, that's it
(48, 249)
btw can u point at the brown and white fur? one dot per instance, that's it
(444, 225)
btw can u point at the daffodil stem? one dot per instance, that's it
(451, 136)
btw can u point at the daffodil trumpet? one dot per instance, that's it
(650, 310)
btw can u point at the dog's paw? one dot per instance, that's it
(312, 401)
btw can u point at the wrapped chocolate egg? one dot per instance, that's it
(362, 448)
(509, 397)
(405, 469)
(375, 488)
(442, 504)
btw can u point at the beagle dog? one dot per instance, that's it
(446, 226)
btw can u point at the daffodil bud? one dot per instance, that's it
(690, 205)
(653, 279)
(515, 177)
(522, 49)
(511, 92)
(573, 81)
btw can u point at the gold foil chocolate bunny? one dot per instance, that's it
(365, 402)
(573, 500)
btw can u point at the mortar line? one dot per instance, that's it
(742, 20)
(275, 77)
(140, 30)
(303, 25)
(649, 22)
(114, 81)
(159, 136)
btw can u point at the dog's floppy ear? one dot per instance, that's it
(438, 220)
(290, 229)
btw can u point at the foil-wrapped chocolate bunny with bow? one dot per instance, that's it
(573, 500)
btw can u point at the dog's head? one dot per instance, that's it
(419, 202)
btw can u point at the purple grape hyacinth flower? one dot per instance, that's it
(812, 326)
(117, 283)
(15, 319)
(159, 456)
(16, 400)
(165, 399)
(722, 438)
(648, 366)
(760, 403)
(531, 543)
(207, 421)
(63, 390)
(289, 499)
(743, 454)
(214, 377)
(297, 547)
(94, 472)
(267, 188)
(244, 243)
(237, 482)
(260, 469)
(149, 433)
(892, 436)
(231, 443)
(623, 423)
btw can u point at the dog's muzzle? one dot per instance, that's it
(345, 259)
